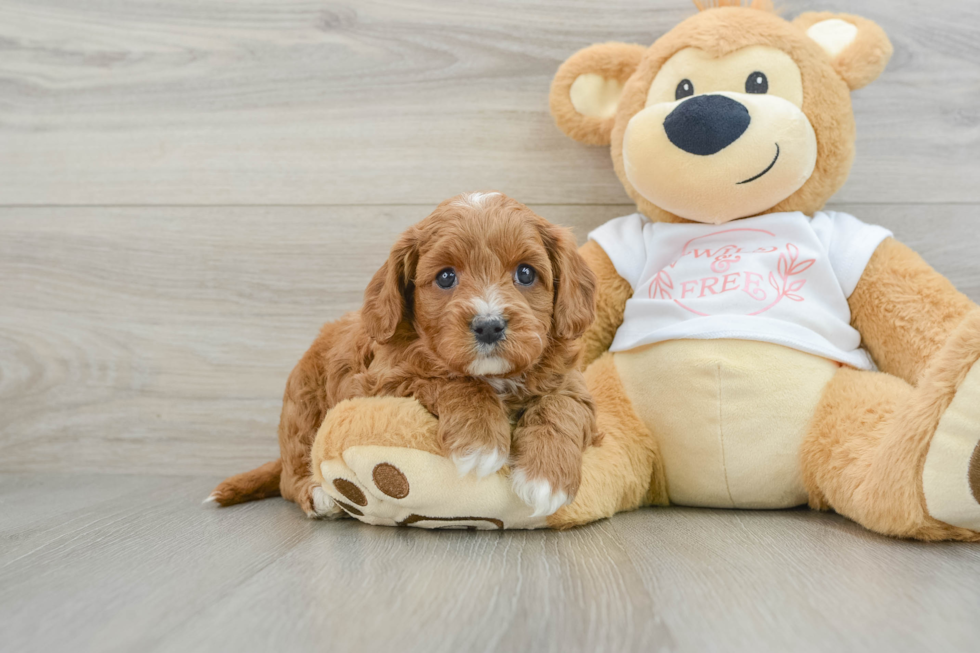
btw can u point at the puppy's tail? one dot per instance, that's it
(257, 484)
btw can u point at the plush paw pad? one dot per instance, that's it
(397, 486)
(538, 494)
(951, 476)
(975, 473)
(390, 480)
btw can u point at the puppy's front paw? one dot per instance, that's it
(547, 467)
(538, 493)
(480, 446)
(483, 461)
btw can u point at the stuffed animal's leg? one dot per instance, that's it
(381, 461)
(625, 471)
(898, 459)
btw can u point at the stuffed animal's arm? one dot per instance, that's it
(904, 310)
(612, 292)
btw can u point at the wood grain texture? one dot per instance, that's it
(159, 339)
(377, 101)
(124, 563)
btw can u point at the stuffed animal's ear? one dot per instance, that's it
(574, 280)
(857, 47)
(587, 87)
(386, 301)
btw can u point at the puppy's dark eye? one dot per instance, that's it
(757, 83)
(684, 89)
(446, 278)
(524, 275)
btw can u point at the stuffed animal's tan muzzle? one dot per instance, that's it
(716, 157)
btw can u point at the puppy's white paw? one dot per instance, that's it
(323, 506)
(537, 493)
(483, 461)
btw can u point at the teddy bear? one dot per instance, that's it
(750, 350)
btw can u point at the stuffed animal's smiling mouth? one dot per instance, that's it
(764, 171)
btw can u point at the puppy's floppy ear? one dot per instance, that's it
(858, 48)
(574, 282)
(386, 301)
(587, 87)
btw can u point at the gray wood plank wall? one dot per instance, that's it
(188, 188)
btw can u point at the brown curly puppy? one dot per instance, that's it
(476, 314)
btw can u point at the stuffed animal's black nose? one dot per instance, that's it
(706, 124)
(488, 329)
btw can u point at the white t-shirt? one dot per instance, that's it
(782, 278)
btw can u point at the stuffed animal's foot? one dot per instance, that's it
(951, 475)
(382, 461)
(397, 486)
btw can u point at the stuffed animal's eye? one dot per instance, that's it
(446, 278)
(684, 89)
(757, 83)
(524, 275)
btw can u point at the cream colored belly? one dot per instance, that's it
(729, 416)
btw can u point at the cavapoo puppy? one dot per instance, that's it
(476, 314)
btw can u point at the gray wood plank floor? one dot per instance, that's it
(133, 563)
(189, 188)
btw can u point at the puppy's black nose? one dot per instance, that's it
(706, 124)
(488, 329)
